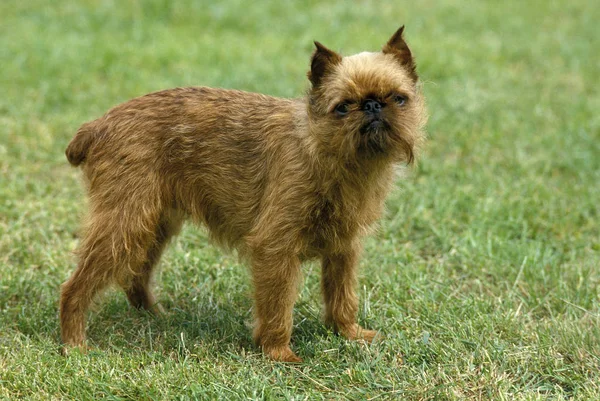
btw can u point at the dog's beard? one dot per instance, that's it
(374, 137)
(377, 138)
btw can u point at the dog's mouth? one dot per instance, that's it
(374, 126)
(374, 136)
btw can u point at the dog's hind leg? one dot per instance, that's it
(138, 290)
(115, 243)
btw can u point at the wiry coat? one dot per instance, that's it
(279, 180)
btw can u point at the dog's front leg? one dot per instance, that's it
(338, 285)
(276, 277)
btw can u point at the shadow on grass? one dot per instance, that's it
(208, 325)
(189, 323)
(202, 326)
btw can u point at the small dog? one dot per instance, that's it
(279, 180)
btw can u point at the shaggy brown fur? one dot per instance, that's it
(279, 180)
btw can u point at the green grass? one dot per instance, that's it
(484, 276)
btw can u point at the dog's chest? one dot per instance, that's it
(333, 222)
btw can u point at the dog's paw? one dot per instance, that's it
(157, 310)
(281, 354)
(357, 333)
(66, 350)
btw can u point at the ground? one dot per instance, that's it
(483, 277)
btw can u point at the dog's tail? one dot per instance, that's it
(79, 146)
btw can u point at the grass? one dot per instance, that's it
(484, 276)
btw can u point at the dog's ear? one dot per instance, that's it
(323, 60)
(398, 48)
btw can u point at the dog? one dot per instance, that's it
(278, 180)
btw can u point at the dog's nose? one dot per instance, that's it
(372, 106)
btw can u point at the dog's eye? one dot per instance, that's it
(400, 100)
(342, 109)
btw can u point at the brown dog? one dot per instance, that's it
(279, 180)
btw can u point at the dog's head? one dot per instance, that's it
(368, 105)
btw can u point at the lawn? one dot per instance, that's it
(484, 276)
